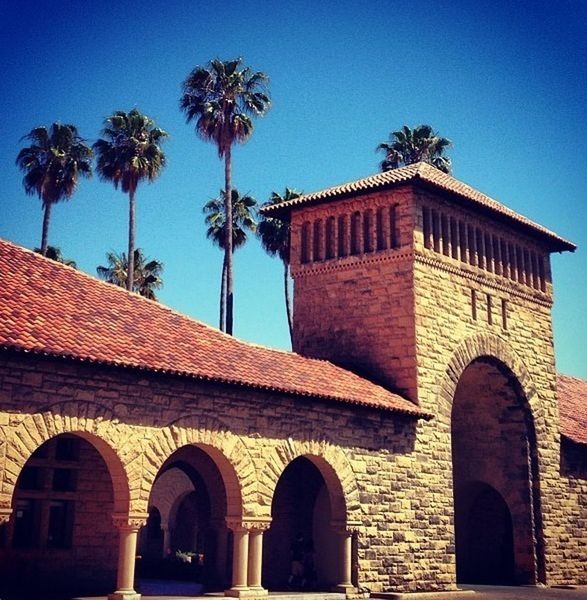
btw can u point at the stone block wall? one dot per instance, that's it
(340, 301)
(451, 332)
(137, 421)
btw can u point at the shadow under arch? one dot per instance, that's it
(332, 465)
(39, 428)
(70, 485)
(486, 543)
(314, 508)
(494, 353)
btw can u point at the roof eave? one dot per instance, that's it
(554, 242)
(415, 413)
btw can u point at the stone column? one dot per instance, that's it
(345, 532)
(166, 538)
(247, 557)
(5, 513)
(128, 526)
(256, 556)
(240, 559)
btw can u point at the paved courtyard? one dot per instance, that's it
(476, 593)
(482, 592)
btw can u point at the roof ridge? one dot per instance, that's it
(575, 377)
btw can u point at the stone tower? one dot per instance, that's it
(425, 285)
(393, 271)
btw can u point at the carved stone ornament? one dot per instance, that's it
(248, 523)
(5, 515)
(130, 521)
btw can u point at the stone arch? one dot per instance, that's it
(225, 448)
(176, 485)
(92, 422)
(333, 466)
(489, 348)
(492, 347)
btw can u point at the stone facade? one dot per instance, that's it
(418, 312)
(430, 297)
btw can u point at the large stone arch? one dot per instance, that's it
(92, 422)
(494, 351)
(226, 449)
(491, 347)
(332, 464)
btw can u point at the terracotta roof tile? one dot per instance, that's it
(432, 176)
(48, 308)
(572, 404)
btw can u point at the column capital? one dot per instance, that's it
(346, 527)
(129, 521)
(248, 523)
(5, 513)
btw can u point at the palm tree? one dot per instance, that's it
(244, 212)
(54, 253)
(408, 146)
(274, 234)
(221, 97)
(53, 164)
(147, 275)
(129, 154)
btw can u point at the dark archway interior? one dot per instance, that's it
(300, 508)
(60, 537)
(492, 477)
(186, 537)
(486, 543)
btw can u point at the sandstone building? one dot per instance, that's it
(419, 434)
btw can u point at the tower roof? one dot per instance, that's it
(428, 176)
(47, 308)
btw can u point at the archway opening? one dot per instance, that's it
(186, 540)
(492, 446)
(301, 548)
(60, 538)
(486, 540)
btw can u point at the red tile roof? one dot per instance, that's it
(427, 174)
(48, 308)
(572, 405)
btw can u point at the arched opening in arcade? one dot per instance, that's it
(60, 537)
(307, 547)
(495, 478)
(185, 546)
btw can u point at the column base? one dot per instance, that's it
(124, 595)
(345, 588)
(248, 592)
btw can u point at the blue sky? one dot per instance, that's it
(506, 81)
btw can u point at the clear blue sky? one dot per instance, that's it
(505, 80)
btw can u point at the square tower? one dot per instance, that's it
(393, 272)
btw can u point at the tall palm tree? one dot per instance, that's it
(221, 98)
(275, 239)
(147, 274)
(244, 212)
(129, 154)
(53, 164)
(54, 253)
(408, 146)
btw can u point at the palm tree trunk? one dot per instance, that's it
(131, 240)
(228, 241)
(223, 296)
(288, 301)
(45, 233)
